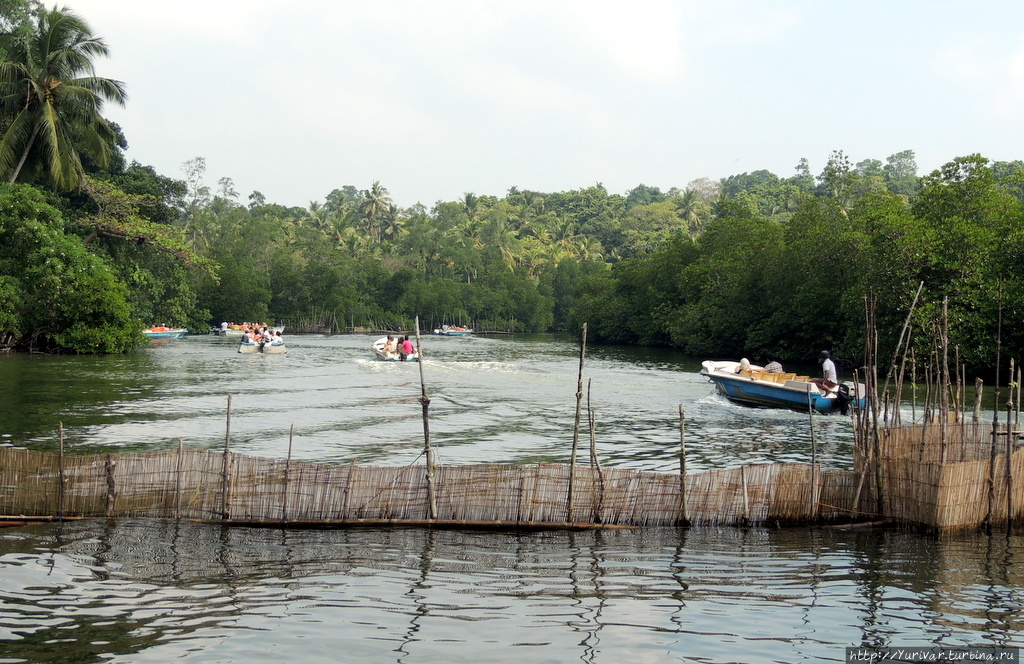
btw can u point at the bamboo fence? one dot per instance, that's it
(191, 484)
(972, 487)
(917, 488)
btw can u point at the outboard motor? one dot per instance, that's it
(843, 398)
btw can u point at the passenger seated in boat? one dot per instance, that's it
(407, 348)
(390, 347)
(773, 366)
(744, 365)
(829, 377)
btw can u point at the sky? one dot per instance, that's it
(435, 99)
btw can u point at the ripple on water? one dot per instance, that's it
(156, 591)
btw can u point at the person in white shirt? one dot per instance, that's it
(829, 377)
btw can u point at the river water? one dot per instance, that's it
(145, 591)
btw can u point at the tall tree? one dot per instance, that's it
(374, 207)
(52, 100)
(901, 173)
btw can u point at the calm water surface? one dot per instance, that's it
(147, 591)
(501, 400)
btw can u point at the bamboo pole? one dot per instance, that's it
(944, 400)
(924, 410)
(685, 518)
(595, 462)
(876, 433)
(913, 386)
(1010, 447)
(899, 344)
(995, 416)
(814, 458)
(1009, 460)
(428, 451)
(576, 428)
(177, 480)
(287, 473)
(225, 499)
(109, 466)
(746, 498)
(860, 442)
(60, 472)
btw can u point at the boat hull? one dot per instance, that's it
(799, 395)
(377, 348)
(175, 333)
(445, 331)
(247, 347)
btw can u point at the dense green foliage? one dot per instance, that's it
(753, 264)
(791, 284)
(53, 292)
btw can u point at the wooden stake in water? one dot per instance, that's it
(60, 473)
(595, 462)
(110, 465)
(746, 497)
(1009, 460)
(576, 427)
(684, 517)
(427, 449)
(177, 481)
(287, 473)
(225, 500)
(995, 415)
(814, 457)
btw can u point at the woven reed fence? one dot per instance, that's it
(193, 484)
(945, 477)
(971, 488)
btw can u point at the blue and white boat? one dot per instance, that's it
(163, 332)
(754, 386)
(453, 331)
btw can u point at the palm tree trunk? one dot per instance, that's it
(24, 154)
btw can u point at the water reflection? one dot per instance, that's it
(155, 591)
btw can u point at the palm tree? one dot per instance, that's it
(688, 208)
(51, 99)
(375, 206)
(394, 223)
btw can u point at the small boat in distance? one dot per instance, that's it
(754, 386)
(239, 330)
(378, 349)
(247, 345)
(164, 332)
(453, 331)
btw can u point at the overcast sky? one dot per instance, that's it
(437, 98)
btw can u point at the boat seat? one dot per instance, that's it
(746, 372)
(802, 379)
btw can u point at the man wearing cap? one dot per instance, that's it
(829, 377)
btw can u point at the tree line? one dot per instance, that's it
(93, 248)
